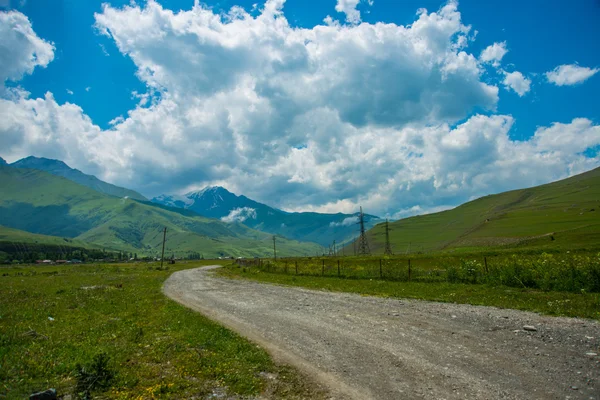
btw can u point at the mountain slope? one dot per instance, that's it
(10, 235)
(560, 215)
(59, 168)
(38, 202)
(217, 202)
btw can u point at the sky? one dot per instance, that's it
(403, 107)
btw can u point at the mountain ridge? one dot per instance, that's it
(60, 168)
(218, 202)
(38, 202)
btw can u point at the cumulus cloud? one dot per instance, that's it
(345, 222)
(348, 7)
(494, 53)
(240, 215)
(517, 82)
(323, 119)
(21, 50)
(570, 74)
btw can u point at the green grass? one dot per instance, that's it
(584, 305)
(564, 215)
(54, 318)
(574, 272)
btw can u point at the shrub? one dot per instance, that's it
(92, 377)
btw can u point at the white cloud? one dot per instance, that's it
(517, 82)
(87, 89)
(348, 7)
(323, 119)
(494, 53)
(69, 91)
(104, 51)
(570, 74)
(21, 50)
(345, 222)
(240, 215)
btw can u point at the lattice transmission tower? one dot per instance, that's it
(363, 244)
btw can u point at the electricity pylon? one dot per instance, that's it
(363, 244)
(388, 246)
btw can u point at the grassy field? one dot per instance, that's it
(559, 216)
(109, 330)
(573, 272)
(553, 284)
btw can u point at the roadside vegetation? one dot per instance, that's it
(107, 331)
(554, 284)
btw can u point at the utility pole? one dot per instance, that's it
(334, 249)
(363, 245)
(388, 246)
(163, 248)
(274, 249)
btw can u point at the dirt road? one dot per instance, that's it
(376, 348)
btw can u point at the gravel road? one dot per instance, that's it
(363, 347)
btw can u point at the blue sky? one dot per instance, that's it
(98, 71)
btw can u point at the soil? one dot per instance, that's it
(361, 347)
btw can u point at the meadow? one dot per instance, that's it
(107, 331)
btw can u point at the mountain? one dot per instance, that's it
(560, 215)
(38, 202)
(218, 202)
(2, 161)
(59, 168)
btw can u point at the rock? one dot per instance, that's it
(574, 388)
(591, 354)
(530, 328)
(49, 394)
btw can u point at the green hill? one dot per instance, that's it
(59, 168)
(38, 202)
(560, 215)
(10, 235)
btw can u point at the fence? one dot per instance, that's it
(545, 271)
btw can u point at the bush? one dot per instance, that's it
(93, 377)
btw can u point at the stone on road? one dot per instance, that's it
(377, 348)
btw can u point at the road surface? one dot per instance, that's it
(363, 347)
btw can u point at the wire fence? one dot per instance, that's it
(545, 271)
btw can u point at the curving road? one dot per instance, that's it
(375, 348)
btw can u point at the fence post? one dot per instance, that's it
(323, 268)
(296, 267)
(409, 270)
(338, 268)
(486, 267)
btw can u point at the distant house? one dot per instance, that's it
(61, 261)
(75, 261)
(47, 262)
